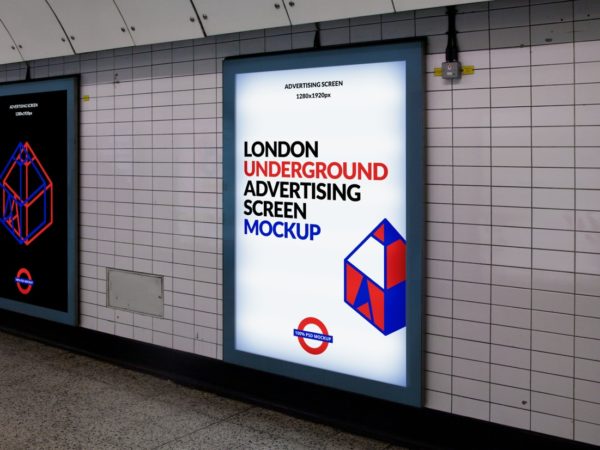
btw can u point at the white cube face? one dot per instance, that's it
(369, 259)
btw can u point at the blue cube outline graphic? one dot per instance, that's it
(389, 313)
(17, 200)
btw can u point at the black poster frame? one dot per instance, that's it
(61, 255)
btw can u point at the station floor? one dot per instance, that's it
(53, 399)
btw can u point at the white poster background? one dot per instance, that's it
(280, 281)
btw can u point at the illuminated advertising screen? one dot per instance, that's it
(38, 198)
(323, 216)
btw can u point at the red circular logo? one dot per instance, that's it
(321, 326)
(24, 281)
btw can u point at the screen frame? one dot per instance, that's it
(412, 52)
(69, 84)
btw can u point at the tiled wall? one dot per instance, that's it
(513, 191)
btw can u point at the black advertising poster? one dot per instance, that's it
(38, 193)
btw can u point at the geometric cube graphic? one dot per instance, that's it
(375, 278)
(26, 209)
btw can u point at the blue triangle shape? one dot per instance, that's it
(363, 294)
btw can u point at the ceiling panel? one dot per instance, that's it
(152, 21)
(92, 24)
(305, 11)
(229, 16)
(34, 29)
(405, 5)
(8, 51)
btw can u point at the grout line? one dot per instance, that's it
(491, 225)
(529, 399)
(574, 231)
(452, 293)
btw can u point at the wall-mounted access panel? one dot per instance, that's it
(34, 28)
(306, 11)
(136, 292)
(92, 24)
(153, 21)
(231, 16)
(8, 49)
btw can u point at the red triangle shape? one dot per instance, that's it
(377, 305)
(353, 281)
(364, 310)
(380, 233)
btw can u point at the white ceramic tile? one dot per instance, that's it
(551, 54)
(587, 432)
(512, 317)
(553, 322)
(587, 390)
(553, 178)
(471, 137)
(511, 137)
(510, 396)
(507, 156)
(587, 157)
(511, 96)
(552, 115)
(474, 176)
(511, 337)
(510, 57)
(469, 98)
(587, 72)
(472, 194)
(553, 301)
(553, 281)
(552, 363)
(511, 117)
(476, 234)
(510, 356)
(472, 292)
(510, 376)
(472, 311)
(473, 331)
(472, 117)
(511, 296)
(553, 157)
(478, 351)
(511, 236)
(473, 388)
(514, 217)
(553, 260)
(586, 348)
(511, 256)
(588, 263)
(587, 370)
(552, 95)
(548, 136)
(438, 400)
(511, 196)
(587, 136)
(585, 284)
(513, 417)
(480, 79)
(553, 240)
(508, 176)
(552, 74)
(587, 51)
(587, 93)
